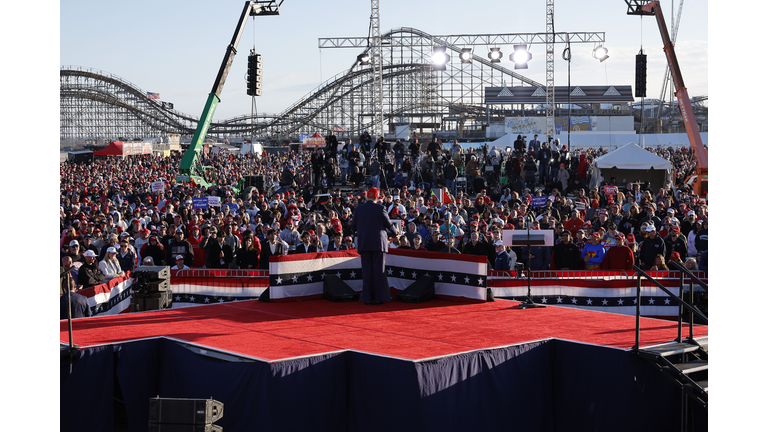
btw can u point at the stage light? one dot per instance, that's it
(466, 55)
(600, 53)
(364, 59)
(439, 58)
(521, 56)
(495, 55)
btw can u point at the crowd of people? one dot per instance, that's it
(113, 218)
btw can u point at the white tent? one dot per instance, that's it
(631, 163)
(502, 143)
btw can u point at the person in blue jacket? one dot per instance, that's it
(593, 253)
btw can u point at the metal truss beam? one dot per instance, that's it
(470, 40)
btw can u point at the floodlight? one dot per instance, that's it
(521, 56)
(600, 53)
(364, 59)
(439, 58)
(466, 55)
(495, 55)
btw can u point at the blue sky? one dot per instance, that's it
(175, 48)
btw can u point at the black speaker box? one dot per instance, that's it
(153, 286)
(264, 297)
(336, 290)
(176, 427)
(151, 301)
(421, 290)
(185, 411)
(152, 272)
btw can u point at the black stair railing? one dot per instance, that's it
(684, 306)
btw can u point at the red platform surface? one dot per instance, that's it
(275, 331)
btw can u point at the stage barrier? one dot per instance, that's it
(599, 290)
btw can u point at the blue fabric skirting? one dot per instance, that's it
(542, 386)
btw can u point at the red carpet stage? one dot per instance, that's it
(318, 365)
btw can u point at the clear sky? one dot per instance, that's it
(175, 48)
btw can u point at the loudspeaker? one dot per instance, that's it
(152, 272)
(489, 296)
(256, 181)
(264, 297)
(175, 427)
(420, 291)
(141, 301)
(336, 290)
(640, 75)
(185, 411)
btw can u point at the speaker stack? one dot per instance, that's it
(152, 288)
(336, 290)
(421, 290)
(184, 415)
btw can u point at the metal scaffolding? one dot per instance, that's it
(99, 105)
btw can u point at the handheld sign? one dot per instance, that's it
(539, 201)
(214, 201)
(158, 186)
(200, 203)
(610, 190)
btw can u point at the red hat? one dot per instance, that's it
(674, 256)
(630, 238)
(373, 193)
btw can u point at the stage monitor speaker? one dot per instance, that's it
(421, 290)
(264, 297)
(152, 272)
(141, 301)
(185, 411)
(336, 290)
(176, 427)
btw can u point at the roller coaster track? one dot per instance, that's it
(96, 104)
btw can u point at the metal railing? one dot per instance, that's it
(561, 274)
(216, 273)
(683, 305)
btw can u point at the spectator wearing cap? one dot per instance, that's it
(566, 254)
(87, 244)
(141, 241)
(112, 241)
(290, 235)
(619, 256)
(702, 237)
(593, 253)
(675, 242)
(89, 274)
(179, 246)
(435, 242)
(503, 259)
(652, 246)
(179, 263)
(75, 252)
(110, 266)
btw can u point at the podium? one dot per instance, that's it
(528, 238)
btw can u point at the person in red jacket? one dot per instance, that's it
(619, 256)
(574, 224)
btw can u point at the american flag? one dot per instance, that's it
(337, 128)
(151, 95)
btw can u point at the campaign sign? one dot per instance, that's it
(158, 186)
(214, 201)
(610, 190)
(200, 203)
(539, 201)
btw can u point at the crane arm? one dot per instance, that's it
(251, 8)
(638, 7)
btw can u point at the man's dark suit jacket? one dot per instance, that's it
(266, 253)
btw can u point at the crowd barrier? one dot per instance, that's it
(602, 290)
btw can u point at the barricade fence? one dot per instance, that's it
(605, 290)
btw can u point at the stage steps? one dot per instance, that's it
(686, 364)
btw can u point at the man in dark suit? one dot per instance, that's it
(270, 246)
(370, 221)
(80, 307)
(218, 253)
(305, 246)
